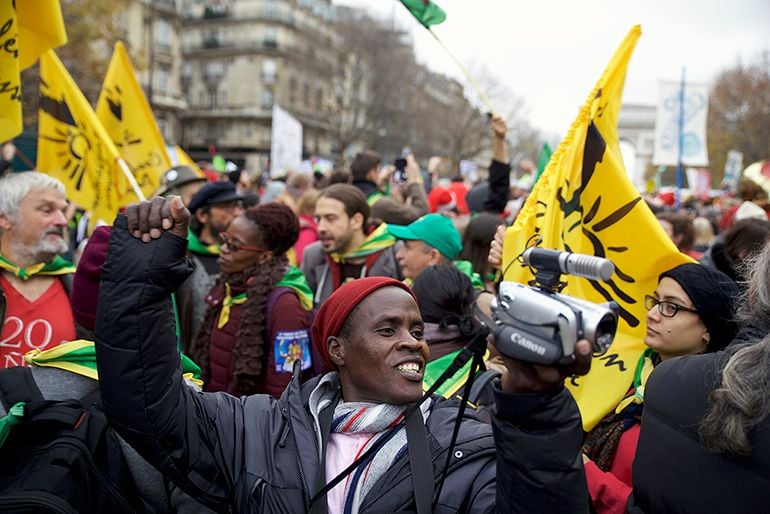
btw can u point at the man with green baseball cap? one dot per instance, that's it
(427, 241)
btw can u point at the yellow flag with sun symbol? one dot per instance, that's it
(126, 115)
(74, 147)
(584, 202)
(27, 29)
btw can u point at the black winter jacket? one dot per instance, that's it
(672, 472)
(258, 454)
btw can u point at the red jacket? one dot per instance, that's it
(287, 319)
(610, 490)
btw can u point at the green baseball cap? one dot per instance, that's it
(435, 230)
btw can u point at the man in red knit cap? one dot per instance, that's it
(258, 454)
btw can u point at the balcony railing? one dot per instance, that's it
(215, 11)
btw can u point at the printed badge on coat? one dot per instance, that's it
(289, 347)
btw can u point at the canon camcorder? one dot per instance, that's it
(538, 324)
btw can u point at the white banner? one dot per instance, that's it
(285, 142)
(733, 169)
(694, 150)
(699, 182)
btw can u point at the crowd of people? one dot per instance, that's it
(304, 346)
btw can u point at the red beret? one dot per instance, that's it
(336, 309)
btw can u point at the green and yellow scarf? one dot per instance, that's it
(378, 240)
(644, 367)
(452, 385)
(196, 246)
(467, 269)
(293, 279)
(58, 266)
(77, 357)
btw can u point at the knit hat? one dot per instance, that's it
(441, 199)
(713, 294)
(85, 285)
(336, 309)
(750, 210)
(435, 230)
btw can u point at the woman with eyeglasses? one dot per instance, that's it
(257, 321)
(690, 312)
(705, 441)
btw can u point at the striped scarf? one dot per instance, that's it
(371, 418)
(377, 241)
(57, 266)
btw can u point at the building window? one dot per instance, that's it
(271, 37)
(213, 130)
(163, 34)
(271, 10)
(214, 70)
(292, 91)
(306, 95)
(319, 97)
(213, 39)
(186, 74)
(162, 74)
(267, 99)
(211, 98)
(269, 71)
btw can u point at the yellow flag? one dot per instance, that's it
(27, 29)
(10, 81)
(585, 203)
(74, 147)
(41, 28)
(126, 115)
(183, 158)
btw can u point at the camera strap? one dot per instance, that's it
(475, 350)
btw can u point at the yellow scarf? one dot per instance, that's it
(228, 302)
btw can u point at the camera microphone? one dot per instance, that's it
(588, 266)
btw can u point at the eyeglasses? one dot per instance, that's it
(224, 239)
(667, 309)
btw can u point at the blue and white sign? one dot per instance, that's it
(694, 149)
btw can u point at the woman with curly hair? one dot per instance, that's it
(257, 323)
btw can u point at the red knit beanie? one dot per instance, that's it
(85, 284)
(336, 309)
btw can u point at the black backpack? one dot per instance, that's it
(63, 457)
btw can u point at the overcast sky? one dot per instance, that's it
(552, 52)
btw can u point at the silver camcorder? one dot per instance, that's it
(538, 324)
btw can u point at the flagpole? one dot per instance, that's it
(470, 78)
(131, 179)
(680, 149)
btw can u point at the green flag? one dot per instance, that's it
(426, 12)
(542, 160)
